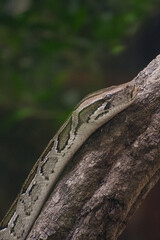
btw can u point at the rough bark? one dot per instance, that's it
(111, 174)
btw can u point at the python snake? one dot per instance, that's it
(91, 113)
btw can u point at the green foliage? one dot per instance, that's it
(45, 42)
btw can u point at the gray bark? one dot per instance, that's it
(109, 177)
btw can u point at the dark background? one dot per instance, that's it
(53, 53)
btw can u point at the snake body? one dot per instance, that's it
(91, 113)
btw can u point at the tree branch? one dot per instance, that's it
(110, 175)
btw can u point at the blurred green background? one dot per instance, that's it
(53, 53)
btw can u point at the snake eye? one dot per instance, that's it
(108, 96)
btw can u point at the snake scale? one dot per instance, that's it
(91, 113)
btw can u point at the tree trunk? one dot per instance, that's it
(110, 175)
